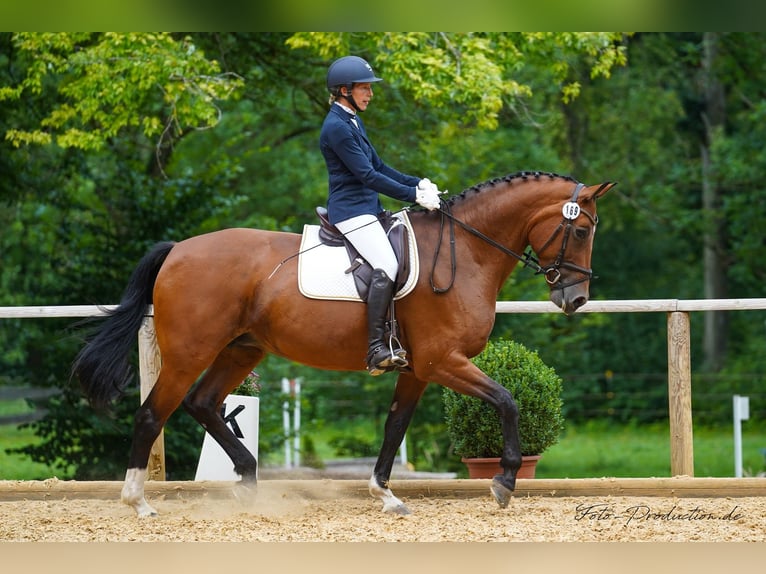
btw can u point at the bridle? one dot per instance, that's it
(552, 273)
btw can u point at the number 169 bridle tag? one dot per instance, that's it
(571, 210)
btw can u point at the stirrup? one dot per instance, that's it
(398, 354)
(379, 363)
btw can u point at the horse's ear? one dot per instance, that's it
(603, 188)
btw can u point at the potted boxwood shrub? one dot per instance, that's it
(474, 426)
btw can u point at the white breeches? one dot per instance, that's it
(366, 234)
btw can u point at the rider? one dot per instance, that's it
(356, 176)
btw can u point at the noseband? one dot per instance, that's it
(552, 273)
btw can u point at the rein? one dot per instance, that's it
(551, 272)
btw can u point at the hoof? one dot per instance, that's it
(244, 491)
(143, 509)
(391, 504)
(501, 491)
(400, 509)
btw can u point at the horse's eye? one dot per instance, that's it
(581, 232)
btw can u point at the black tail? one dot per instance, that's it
(103, 365)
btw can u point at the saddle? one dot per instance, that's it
(360, 269)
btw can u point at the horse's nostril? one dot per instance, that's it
(579, 302)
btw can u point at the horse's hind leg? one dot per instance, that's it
(406, 397)
(151, 416)
(204, 403)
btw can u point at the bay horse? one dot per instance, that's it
(224, 300)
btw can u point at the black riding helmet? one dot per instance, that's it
(347, 71)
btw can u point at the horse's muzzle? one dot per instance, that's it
(569, 299)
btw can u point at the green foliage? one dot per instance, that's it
(15, 466)
(85, 445)
(456, 107)
(474, 426)
(250, 387)
(472, 76)
(742, 375)
(601, 448)
(428, 442)
(318, 396)
(95, 446)
(309, 455)
(352, 446)
(110, 82)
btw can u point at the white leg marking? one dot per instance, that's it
(133, 492)
(390, 502)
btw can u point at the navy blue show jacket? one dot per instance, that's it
(356, 174)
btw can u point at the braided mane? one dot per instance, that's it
(523, 175)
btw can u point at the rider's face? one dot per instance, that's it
(362, 94)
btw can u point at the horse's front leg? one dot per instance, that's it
(503, 484)
(461, 375)
(406, 397)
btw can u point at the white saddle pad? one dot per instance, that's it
(322, 269)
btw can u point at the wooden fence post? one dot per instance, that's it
(149, 363)
(680, 395)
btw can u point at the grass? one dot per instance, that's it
(600, 449)
(16, 466)
(592, 450)
(14, 407)
(328, 442)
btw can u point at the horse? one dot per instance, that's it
(225, 299)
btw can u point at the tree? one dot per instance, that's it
(88, 193)
(460, 108)
(471, 77)
(124, 119)
(110, 82)
(713, 116)
(649, 126)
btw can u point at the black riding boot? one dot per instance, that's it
(382, 356)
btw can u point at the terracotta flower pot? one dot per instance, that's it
(489, 467)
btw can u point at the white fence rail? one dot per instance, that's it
(679, 355)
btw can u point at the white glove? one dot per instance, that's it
(427, 194)
(425, 183)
